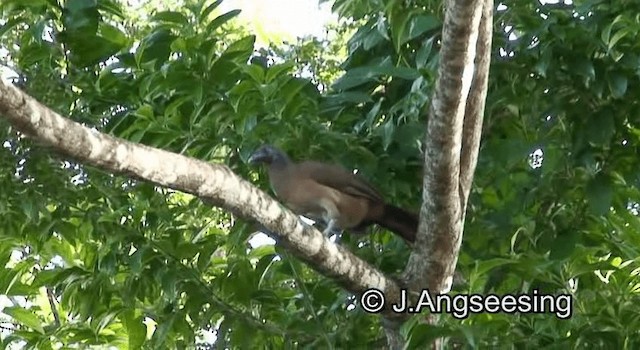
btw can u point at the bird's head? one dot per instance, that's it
(268, 154)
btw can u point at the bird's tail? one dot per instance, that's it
(402, 222)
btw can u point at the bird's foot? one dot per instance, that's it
(332, 231)
(336, 237)
(330, 226)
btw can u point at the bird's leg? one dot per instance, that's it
(333, 231)
(329, 229)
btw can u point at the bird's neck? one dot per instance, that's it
(279, 171)
(279, 163)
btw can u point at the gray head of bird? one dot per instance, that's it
(269, 155)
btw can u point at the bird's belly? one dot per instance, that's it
(320, 202)
(310, 212)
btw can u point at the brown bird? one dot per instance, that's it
(330, 193)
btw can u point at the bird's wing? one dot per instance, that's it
(340, 179)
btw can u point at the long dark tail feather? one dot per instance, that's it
(402, 222)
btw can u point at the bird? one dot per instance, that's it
(330, 193)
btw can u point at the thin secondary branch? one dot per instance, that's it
(474, 114)
(54, 308)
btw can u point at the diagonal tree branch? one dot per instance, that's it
(213, 183)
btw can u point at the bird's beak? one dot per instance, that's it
(259, 156)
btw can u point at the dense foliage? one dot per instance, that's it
(92, 258)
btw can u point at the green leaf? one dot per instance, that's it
(220, 20)
(348, 97)
(243, 46)
(600, 194)
(79, 5)
(278, 70)
(81, 16)
(294, 88)
(372, 115)
(171, 17)
(114, 35)
(256, 72)
(156, 46)
(424, 52)
(584, 67)
(372, 37)
(543, 62)
(163, 329)
(170, 281)
(606, 33)
(418, 25)
(387, 133)
(564, 245)
(10, 282)
(482, 267)
(26, 317)
(26, 3)
(9, 24)
(33, 54)
(205, 13)
(619, 35)
(261, 251)
(361, 75)
(398, 20)
(145, 111)
(601, 128)
(422, 335)
(205, 253)
(617, 84)
(111, 7)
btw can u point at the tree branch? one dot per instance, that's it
(474, 114)
(213, 183)
(433, 260)
(54, 308)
